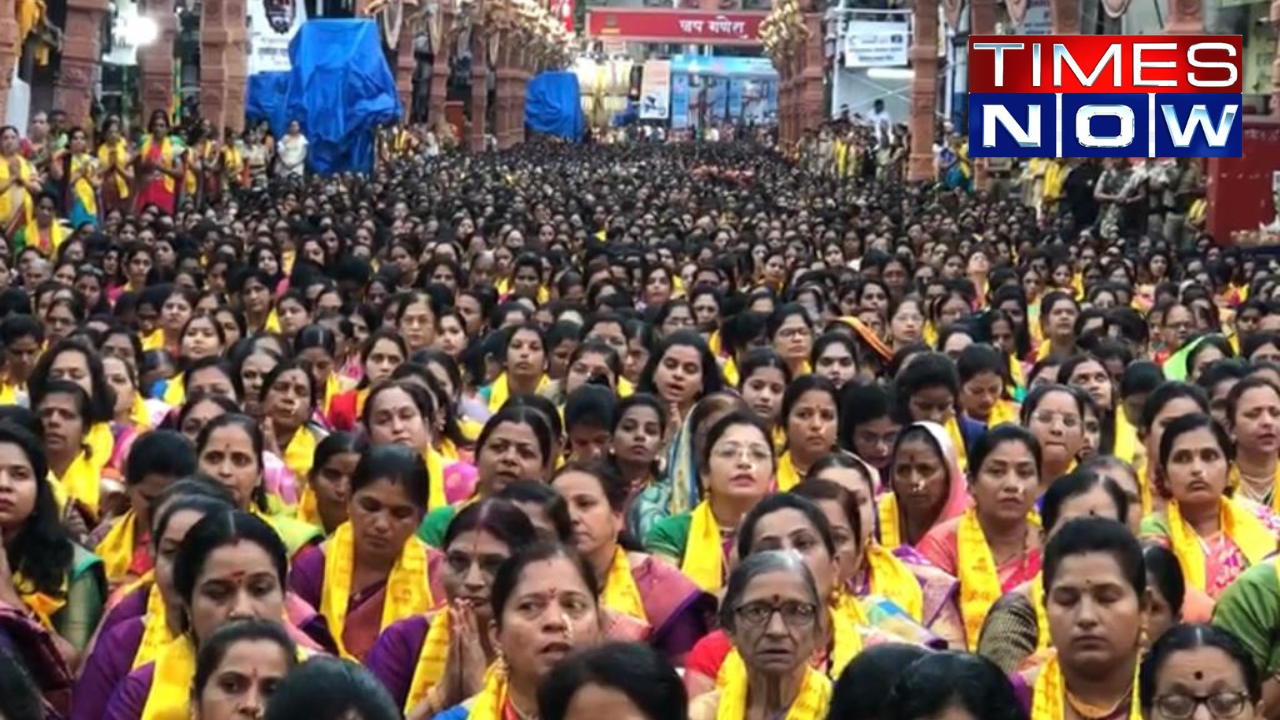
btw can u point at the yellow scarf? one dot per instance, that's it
(300, 453)
(847, 621)
(111, 156)
(117, 547)
(811, 701)
(31, 236)
(7, 209)
(488, 704)
(787, 475)
(155, 341)
(1126, 444)
(1049, 698)
(1239, 526)
(408, 589)
(891, 578)
(1233, 481)
(83, 189)
(1001, 413)
(979, 579)
(500, 391)
(436, 497)
(42, 605)
(431, 660)
(139, 415)
(704, 552)
(332, 388)
(166, 158)
(82, 482)
(102, 443)
(308, 509)
(1042, 615)
(170, 696)
(175, 391)
(232, 161)
(620, 592)
(890, 536)
(156, 633)
(957, 442)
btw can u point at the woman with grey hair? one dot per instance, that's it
(772, 612)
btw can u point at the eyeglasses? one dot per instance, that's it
(794, 614)
(1220, 705)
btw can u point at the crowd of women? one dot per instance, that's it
(660, 431)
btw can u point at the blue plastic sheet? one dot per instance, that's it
(340, 89)
(553, 105)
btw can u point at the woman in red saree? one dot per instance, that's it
(159, 167)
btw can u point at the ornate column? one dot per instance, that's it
(1275, 64)
(215, 38)
(924, 90)
(73, 91)
(442, 42)
(1066, 16)
(811, 105)
(236, 57)
(9, 48)
(479, 87)
(502, 89)
(982, 21)
(523, 61)
(405, 64)
(156, 60)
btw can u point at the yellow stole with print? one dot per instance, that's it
(102, 443)
(431, 660)
(81, 481)
(787, 475)
(19, 216)
(155, 341)
(43, 605)
(166, 159)
(979, 578)
(117, 547)
(139, 415)
(170, 696)
(1048, 701)
(1126, 444)
(704, 552)
(890, 534)
(847, 619)
(435, 480)
(1239, 526)
(300, 453)
(488, 705)
(1001, 413)
(408, 589)
(155, 633)
(621, 594)
(83, 189)
(891, 578)
(811, 702)
(1042, 615)
(107, 155)
(957, 442)
(500, 391)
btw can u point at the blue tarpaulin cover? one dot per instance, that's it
(553, 105)
(340, 88)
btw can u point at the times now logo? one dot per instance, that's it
(1105, 96)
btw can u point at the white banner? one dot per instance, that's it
(655, 90)
(871, 43)
(272, 24)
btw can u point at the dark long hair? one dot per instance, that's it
(42, 552)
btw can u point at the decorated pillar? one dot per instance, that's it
(215, 74)
(155, 61)
(9, 48)
(982, 21)
(73, 92)
(523, 62)
(1275, 64)
(441, 46)
(236, 57)
(503, 73)
(479, 87)
(1066, 16)
(405, 64)
(811, 95)
(924, 89)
